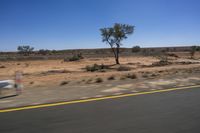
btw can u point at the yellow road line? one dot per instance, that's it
(94, 99)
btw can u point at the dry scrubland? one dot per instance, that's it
(44, 73)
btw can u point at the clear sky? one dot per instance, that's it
(72, 24)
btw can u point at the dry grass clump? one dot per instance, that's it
(122, 78)
(123, 68)
(99, 80)
(32, 82)
(2, 66)
(96, 67)
(163, 61)
(75, 57)
(89, 81)
(128, 76)
(145, 75)
(112, 77)
(64, 83)
(131, 76)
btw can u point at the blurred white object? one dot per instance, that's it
(7, 84)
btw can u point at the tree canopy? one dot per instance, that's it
(115, 35)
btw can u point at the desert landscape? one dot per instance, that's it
(98, 70)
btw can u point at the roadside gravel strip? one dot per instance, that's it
(95, 99)
(40, 96)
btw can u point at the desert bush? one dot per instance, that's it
(122, 78)
(75, 57)
(32, 82)
(99, 80)
(89, 81)
(123, 68)
(154, 75)
(131, 76)
(163, 60)
(64, 83)
(172, 55)
(2, 66)
(145, 75)
(136, 49)
(96, 67)
(112, 77)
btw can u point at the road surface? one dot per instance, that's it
(166, 112)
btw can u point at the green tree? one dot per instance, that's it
(114, 35)
(136, 49)
(25, 49)
(193, 51)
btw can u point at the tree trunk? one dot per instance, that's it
(117, 55)
(117, 60)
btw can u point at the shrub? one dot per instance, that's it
(31, 82)
(64, 83)
(75, 57)
(163, 61)
(122, 78)
(123, 68)
(96, 67)
(131, 76)
(2, 66)
(154, 75)
(172, 55)
(145, 75)
(89, 81)
(111, 77)
(99, 80)
(136, 49)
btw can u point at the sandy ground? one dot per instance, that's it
(44, 73)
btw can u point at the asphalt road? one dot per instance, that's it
(166, 112)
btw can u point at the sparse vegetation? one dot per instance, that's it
(96, 67)
(131, 76)
(2, 66)
(89, 81)
(145, 75)
(99, 80)
(123, 68)
(114, 35)
(64, 83)
(154, 75)
(31, 82)
(163, 61)
(75, 57)
(112, 77)
(45, 71)
(122, 78)
(173, 55)
(44, 52)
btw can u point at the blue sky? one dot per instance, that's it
(72, 24)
